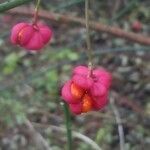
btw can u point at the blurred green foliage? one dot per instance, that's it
(41, 90)
(11, 112)
(10, 63)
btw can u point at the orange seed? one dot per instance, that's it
(87, 103)
(20, 34)
(76, 91)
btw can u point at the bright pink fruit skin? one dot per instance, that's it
(96, 86)
(31, 37)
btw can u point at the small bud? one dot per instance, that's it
(137, 26)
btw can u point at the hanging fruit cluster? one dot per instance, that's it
(31, 36)
(87, 90)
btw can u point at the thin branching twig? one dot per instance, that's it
(119, 123)
(9, 4)
(38, 139)
(74, 133)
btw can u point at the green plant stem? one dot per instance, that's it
(68, 125)
(88, 40)
(36, 11)
(11, 4)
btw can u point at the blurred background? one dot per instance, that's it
(31, 115)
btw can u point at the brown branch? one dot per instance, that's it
(138, 38)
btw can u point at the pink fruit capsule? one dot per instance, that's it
(86, 93)
(31, 37)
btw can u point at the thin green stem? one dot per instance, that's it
(88, 40)
(37, 5)
(36, 11)
(68, 125)
(11, 4)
